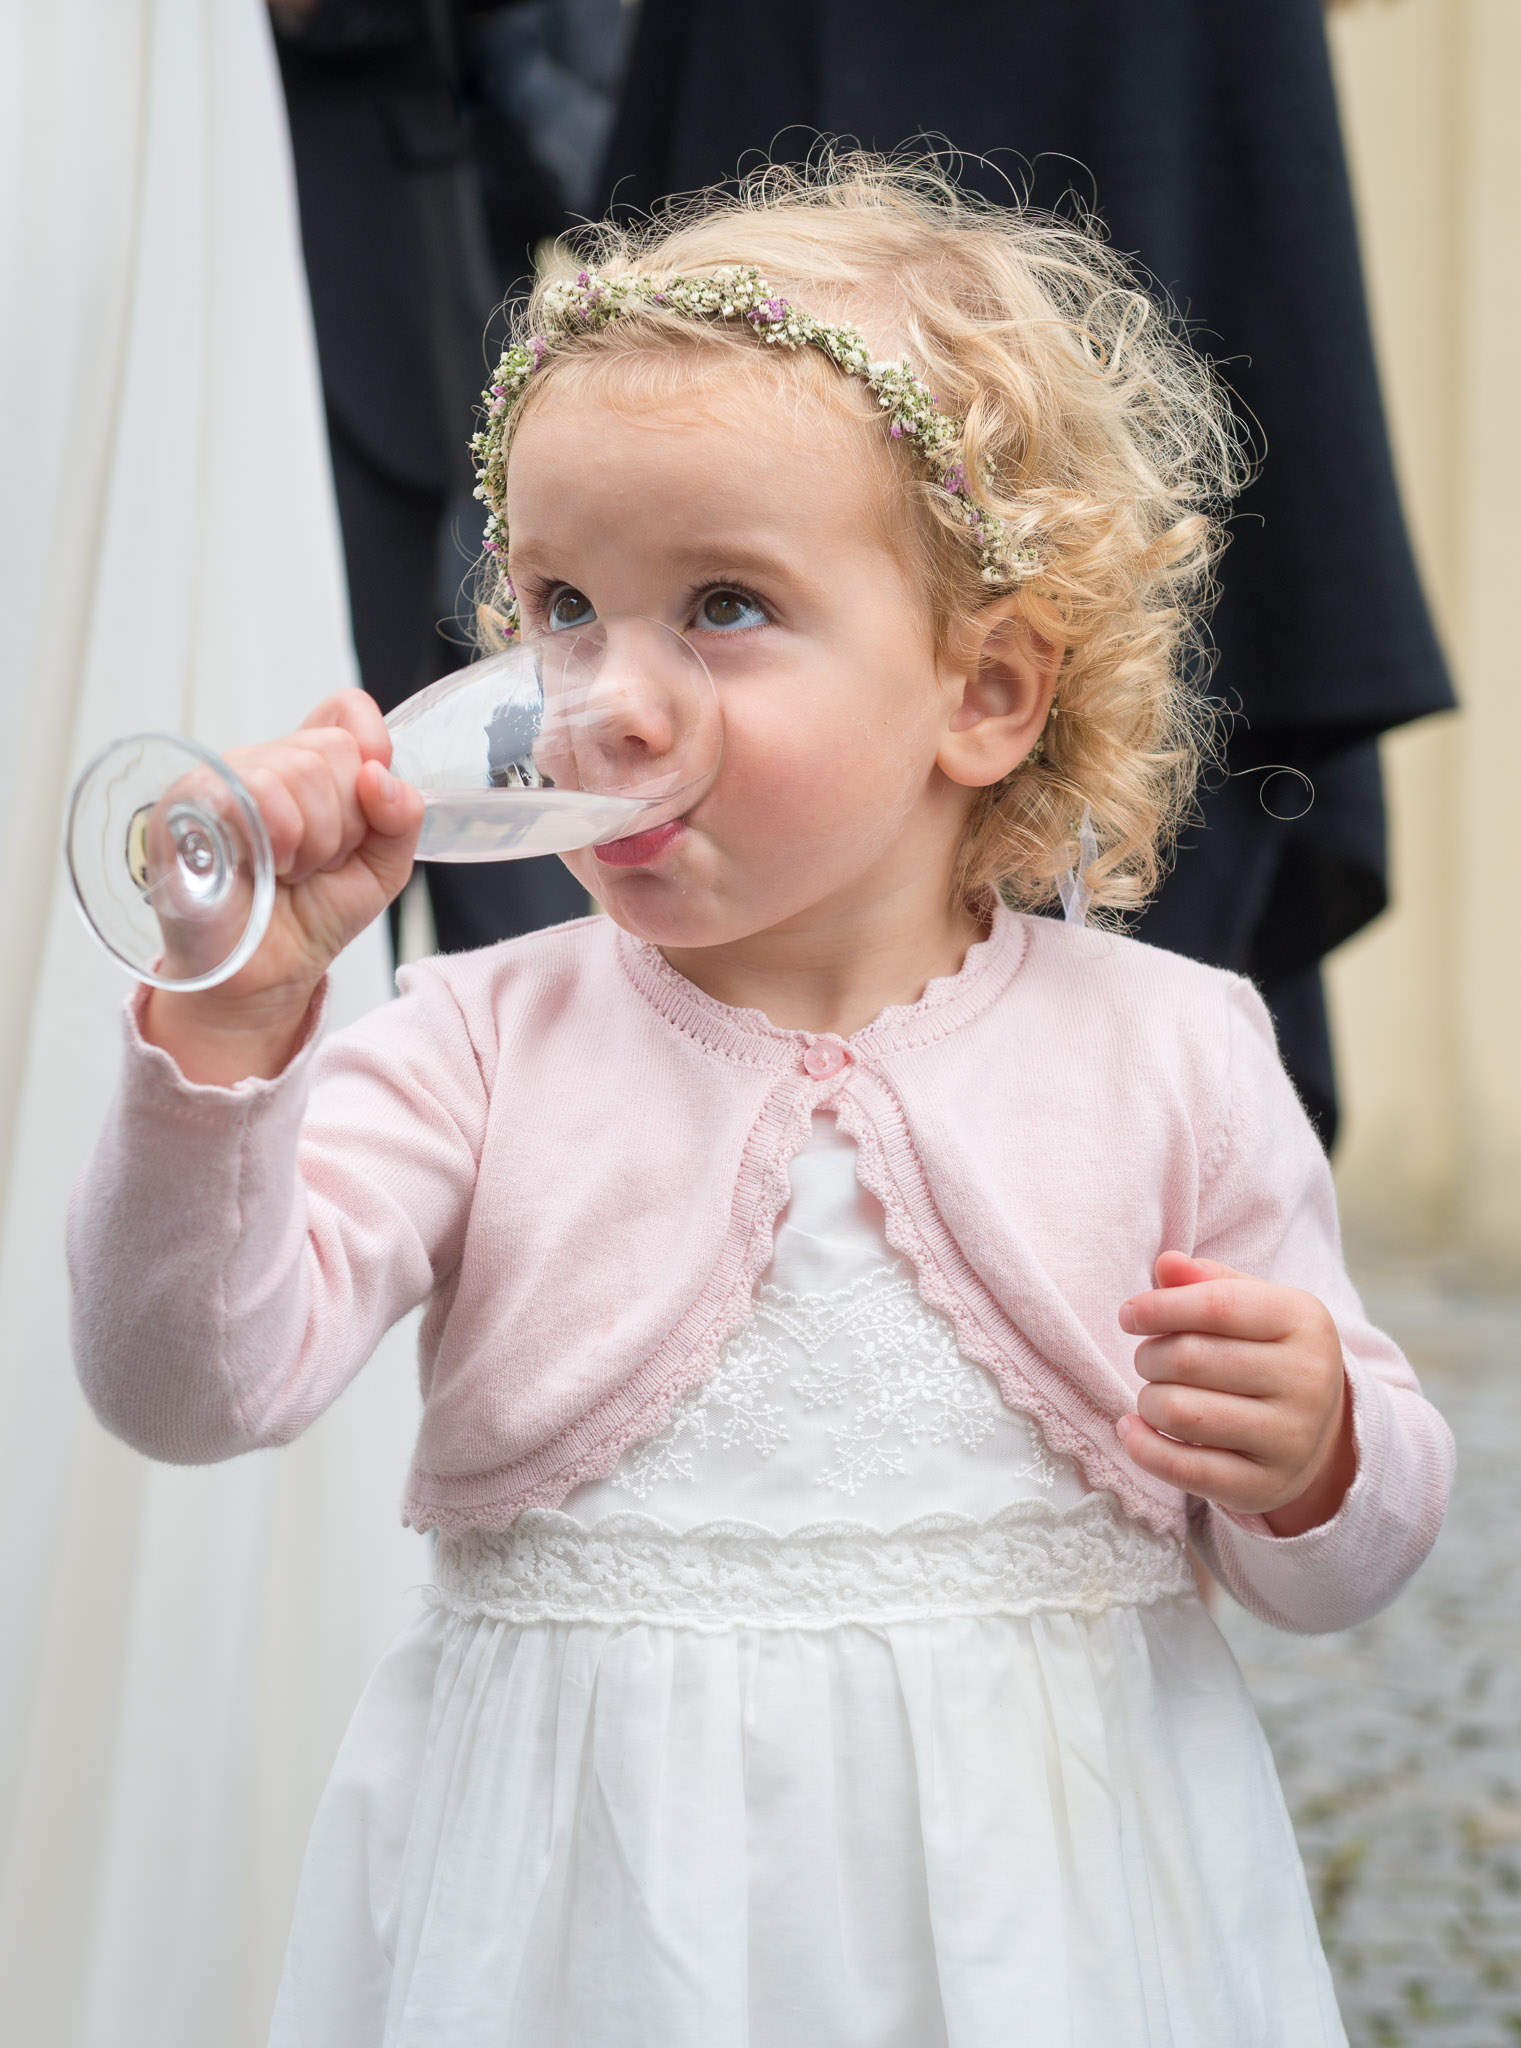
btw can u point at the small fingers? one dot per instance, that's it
(394, 810)
(339, 753)
(1179, 1269)
(307, 786)
(1229, 1306)
(304, 788)
(356, 713)
(391, 807)
(1224, 1476)
(1196, 1415)
(278, 806)
(322, 781)
(1234, 1365)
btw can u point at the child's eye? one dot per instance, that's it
(725, 611)
(569, 608)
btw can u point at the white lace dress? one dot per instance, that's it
(843, 1715)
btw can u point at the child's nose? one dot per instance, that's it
(629, 713)
(618, 709)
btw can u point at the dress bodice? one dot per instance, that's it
(844, 1397)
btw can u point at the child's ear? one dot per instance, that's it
(1001, 687)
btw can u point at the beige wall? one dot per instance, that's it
(1427, 1004)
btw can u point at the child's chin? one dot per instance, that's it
(643, 906)
(662, 910)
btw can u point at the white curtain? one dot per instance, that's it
(178, 1649)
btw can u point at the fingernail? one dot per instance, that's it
(1124, 1426)
(1127, 1318)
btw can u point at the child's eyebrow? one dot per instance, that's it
(712, 563)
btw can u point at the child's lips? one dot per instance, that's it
(640, 848)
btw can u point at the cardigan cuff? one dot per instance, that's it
(153, 1075)
(1345, 1569)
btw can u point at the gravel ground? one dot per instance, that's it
(1399, 1743)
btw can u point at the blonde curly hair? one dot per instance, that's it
(1096, 434)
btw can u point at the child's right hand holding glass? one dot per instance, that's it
(343, 831)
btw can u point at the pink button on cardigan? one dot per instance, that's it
(577, 1160)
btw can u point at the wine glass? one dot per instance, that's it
(565, 740)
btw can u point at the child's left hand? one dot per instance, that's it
(1247, 1404)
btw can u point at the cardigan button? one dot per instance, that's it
(822, 1059)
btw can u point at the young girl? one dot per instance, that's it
(846, 1290)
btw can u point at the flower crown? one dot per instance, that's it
(592, 300)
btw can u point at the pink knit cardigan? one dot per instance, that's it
(578, 1160)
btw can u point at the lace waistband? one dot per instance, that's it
(1028, 1559)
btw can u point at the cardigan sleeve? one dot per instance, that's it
(1267, 1208)
(235, 1254)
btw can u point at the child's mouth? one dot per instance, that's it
(640, 848)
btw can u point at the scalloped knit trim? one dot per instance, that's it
(984, 1331)
(591, 1447)
(749, 1036)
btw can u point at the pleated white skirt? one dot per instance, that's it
(1056, 1829)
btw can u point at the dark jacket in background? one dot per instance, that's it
(419, 210)
(1206, 138)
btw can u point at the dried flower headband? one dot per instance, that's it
(591, 301)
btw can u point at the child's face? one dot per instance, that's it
(757, 534)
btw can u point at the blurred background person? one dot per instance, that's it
(555, 68)
(436, 142)
(1206, 138)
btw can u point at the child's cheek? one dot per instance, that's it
(774, 780)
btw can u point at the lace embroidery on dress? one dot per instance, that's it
(1027, 1559)
(874, 1351)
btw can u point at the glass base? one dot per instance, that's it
(170, 862)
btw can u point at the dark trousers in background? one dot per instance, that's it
(391, 542)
